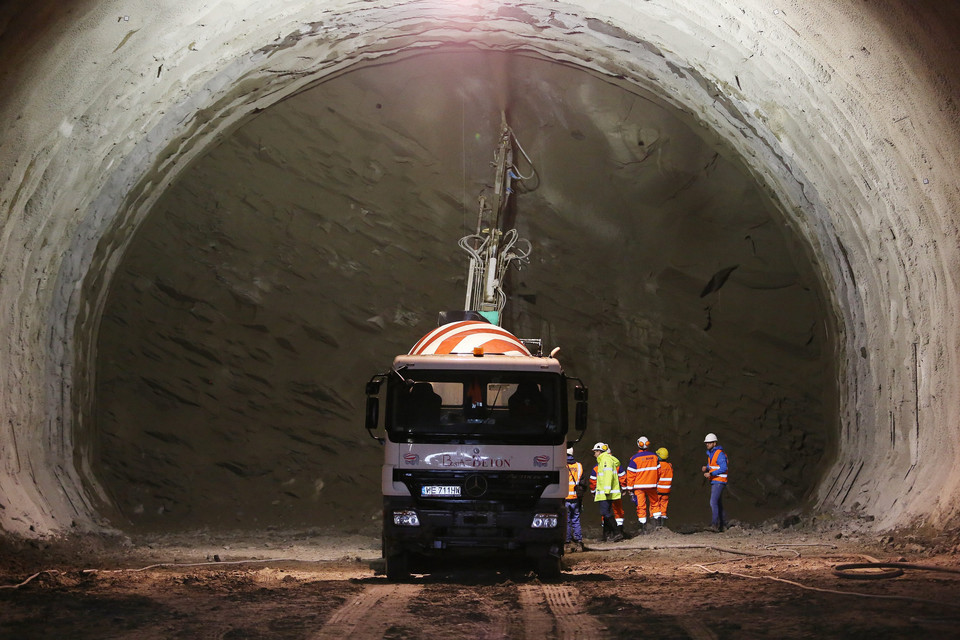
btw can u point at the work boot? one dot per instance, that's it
(611, 528)
(616, 531)
(623, 534)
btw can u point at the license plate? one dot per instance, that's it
(440, 490)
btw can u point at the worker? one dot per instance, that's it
(574, 501)
(716, 472)
(664, 482)
(642, 480)
(618, 511)
(606, 489)
(615, 505)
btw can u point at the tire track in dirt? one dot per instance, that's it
(696, 627)
(557, 608)
(690, 624)
(368, 615)
(537, 621)
(501, 626)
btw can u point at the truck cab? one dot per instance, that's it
(474, 456)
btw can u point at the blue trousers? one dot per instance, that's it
(716, 504)
(606, 509)
(573, 521)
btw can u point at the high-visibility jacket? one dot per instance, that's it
(664, 477)
(621, 477)
(642, 470)
(574, 473)
(616, 503)
(607, 474)
(717, 464)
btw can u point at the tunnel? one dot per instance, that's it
(221, 220)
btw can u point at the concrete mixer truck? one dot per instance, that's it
(475, 422)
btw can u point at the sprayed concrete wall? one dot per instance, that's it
(844, 115)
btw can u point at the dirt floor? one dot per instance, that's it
(743, 583)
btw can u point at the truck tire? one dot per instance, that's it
(398, 567)
(548, 567)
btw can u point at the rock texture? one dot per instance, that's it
(219, 219)
(319, 240)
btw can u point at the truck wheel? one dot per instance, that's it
(398, 567)
(548, 568)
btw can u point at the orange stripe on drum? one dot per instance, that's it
(463, 337)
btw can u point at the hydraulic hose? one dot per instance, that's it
(893, 569)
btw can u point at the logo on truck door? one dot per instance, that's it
(475, 486)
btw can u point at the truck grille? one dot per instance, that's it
(507, 487)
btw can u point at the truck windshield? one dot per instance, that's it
(514, 407)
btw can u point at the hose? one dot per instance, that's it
(839, 570)
(833, 591)
(156, 566)
(464, 243)
(17, 586)
(893, 569)
(526, 157)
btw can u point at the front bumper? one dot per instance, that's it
(473, 525)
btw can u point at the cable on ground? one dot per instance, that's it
(157, 566)
(834, 591)
(17, 586)
(893, 569)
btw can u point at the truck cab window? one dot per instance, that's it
(502, 408)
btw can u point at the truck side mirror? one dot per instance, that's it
(580, 420)
(580, 394)
(373, 405)
(373, 412)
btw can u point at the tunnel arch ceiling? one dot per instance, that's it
(636, 38)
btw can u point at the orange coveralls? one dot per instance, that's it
(642, 480)
(664, 482)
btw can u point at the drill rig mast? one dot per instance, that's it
(491, 249)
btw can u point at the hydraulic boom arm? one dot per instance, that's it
(491, 249)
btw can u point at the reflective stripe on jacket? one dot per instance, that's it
(621, 477)
(642, 471)
(574, 473)
(608, 483)
(665, 477)
(717, 463)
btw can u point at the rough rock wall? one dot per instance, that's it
(320, 239)
(844, 112)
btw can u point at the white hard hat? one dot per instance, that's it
(710, 438)
(601, 446)
(642, 442)
(569, 451)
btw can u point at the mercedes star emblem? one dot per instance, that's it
(475, 486)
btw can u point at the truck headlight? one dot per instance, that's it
(544, 521)
(406, 519)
